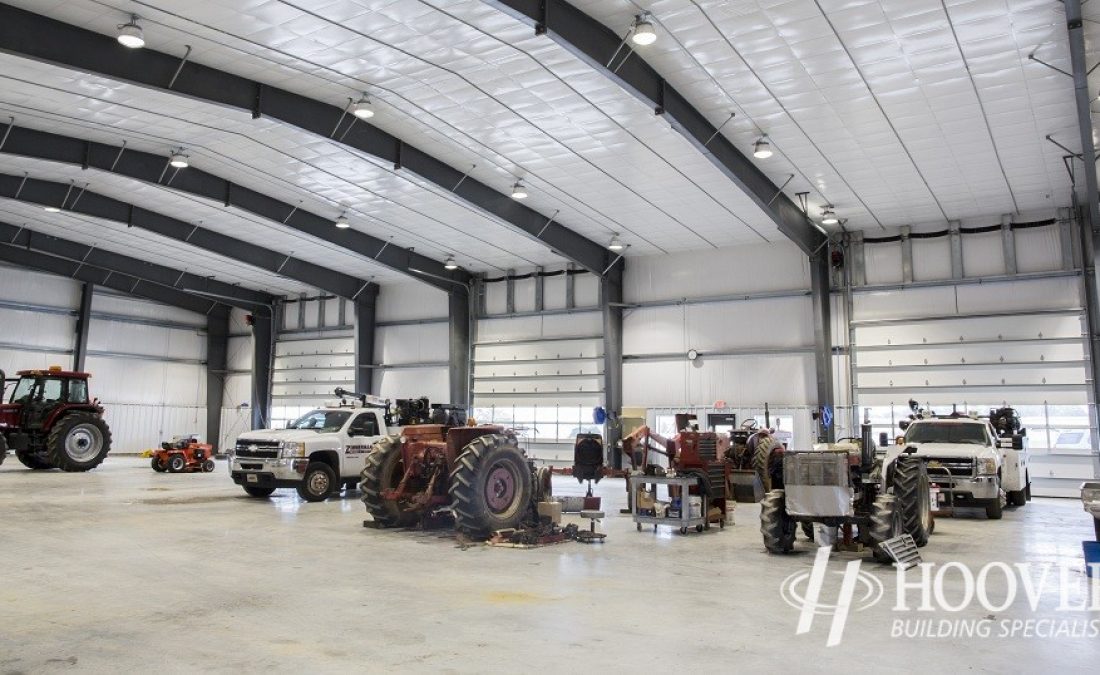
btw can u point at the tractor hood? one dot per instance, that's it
(298, 435)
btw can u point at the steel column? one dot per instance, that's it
(217, 366)
(1090, 211)
(459, 320)
(1008, 242)
(906, 256)
(823, 339)
(83, 324)
(365, 325)
(263, 353)
(857, 259)
(611, 302)
(954, 234)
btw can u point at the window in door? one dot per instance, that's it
(364, 425)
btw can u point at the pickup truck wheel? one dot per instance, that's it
(1017, 497)
(258, 492)
(319, 482)
(993, 509)
(1027, 486)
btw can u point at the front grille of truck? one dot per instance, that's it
(956, 467)
(263, 449)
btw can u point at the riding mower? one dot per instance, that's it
(183, 454)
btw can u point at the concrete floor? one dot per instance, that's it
(126, 570)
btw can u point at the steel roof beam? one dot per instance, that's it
(150, 168)
(146, 271)
(42, 262)
(88, 203)
(38, 37)
(596, 44)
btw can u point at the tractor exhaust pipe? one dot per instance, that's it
(866, 440)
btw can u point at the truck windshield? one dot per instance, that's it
(931, 432)
(321, 420)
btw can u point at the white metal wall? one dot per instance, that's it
(313, 357)
(149, 376)
(979, 346)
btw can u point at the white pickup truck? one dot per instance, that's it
(316, 453)
(968, 465)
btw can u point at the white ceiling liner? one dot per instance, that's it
(473, 87)
(117, 238)
(267, 156)
(897, 112)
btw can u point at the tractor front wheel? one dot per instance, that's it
(886, 523)
(318, 484)
(763, 463)
(491, 486)
(777, 527)
(158, 465)
(176, 464)
(208, 466)
(384, 470)
(913, 497)
(78, 442)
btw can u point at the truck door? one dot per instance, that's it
(362, 434)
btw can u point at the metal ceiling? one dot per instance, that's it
(896, 112)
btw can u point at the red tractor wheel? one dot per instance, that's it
(176, 463)
(158, 464)
(384, 471)
(491, 486)
(208, 466)
(79, 441)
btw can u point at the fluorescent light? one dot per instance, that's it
(178, 160)
(130, 34)
(518, 191)
(828, 217)
(52, 209)
(616, 244)
(644, 34)
(363, 109)
(450, 263)
(762, 149)
(342, 222)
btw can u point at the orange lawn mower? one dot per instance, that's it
(183, 454)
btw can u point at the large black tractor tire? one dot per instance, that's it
(3, 449)
(258, 492)
(78, 442)
(318, 483)
(913, 497)
(491, 486)
(33, 460)
(886, 523)
(158, 466)
(176, 464)
(763, 464)
(777, 527)
(384, 471)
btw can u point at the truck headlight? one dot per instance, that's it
(987, 465)
(291, 449)
(1090, 494)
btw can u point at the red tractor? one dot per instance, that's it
(183, 454)
(51, 423)
(437, 462)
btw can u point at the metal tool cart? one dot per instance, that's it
(685, 520)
